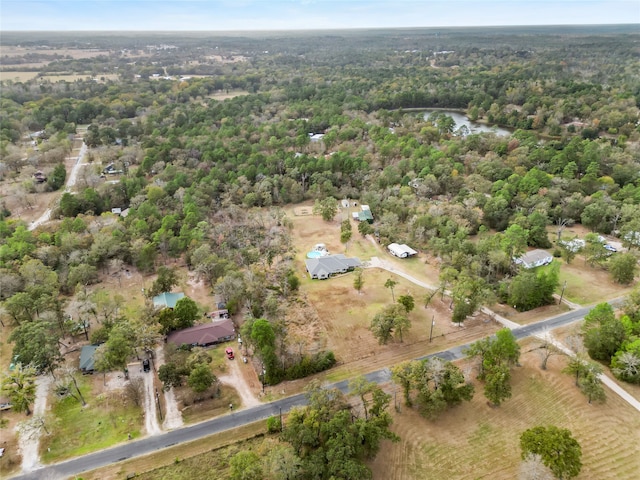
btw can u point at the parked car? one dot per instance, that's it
(146, 365)
(611, 248)
(229, 352)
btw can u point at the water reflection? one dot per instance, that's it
(471, 127)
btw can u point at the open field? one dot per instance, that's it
(17, 76)
(587, 285)
(475, 441)
(16, 51)
(106, 420)
(223, 95)
(344, 315)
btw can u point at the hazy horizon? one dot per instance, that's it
(302, 15)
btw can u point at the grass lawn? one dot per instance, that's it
(475, 440)
(193, 460)
(210, 407)
(106, 420)
(587, 285)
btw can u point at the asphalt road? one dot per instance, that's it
(235, 419)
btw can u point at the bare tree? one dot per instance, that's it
(545, 350)
(66, 380)
(134, 390)
(561, 224)
(532, 468)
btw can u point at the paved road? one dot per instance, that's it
(193, 432)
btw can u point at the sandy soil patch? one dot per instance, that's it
(236, 379)
(29, 433)
(173, 417)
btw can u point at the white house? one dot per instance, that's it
(534, 258)
(401, 250)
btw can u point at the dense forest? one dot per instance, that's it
(213, 135)
(195, 166)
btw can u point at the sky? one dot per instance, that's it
(248, 15)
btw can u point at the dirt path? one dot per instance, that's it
(235, 379)
(150, 408)
(71, 181)
(29, 432)
(173, 417)
(376, 262)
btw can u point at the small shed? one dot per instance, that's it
(401, 250)
(87, 360)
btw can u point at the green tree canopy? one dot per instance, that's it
(185, 312)
(557, 447)
(200, 379)
(36, 344)
(19, 385)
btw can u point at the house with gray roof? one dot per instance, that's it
(534, 258)
(322, 268)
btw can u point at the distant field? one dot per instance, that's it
(17, 76)
(15, 51)
(26, 76)
(223, 95)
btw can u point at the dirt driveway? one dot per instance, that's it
(235, 377)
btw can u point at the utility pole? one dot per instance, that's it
(433, 322)
(562, 294)
(158, 402)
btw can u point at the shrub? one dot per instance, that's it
(274, 425)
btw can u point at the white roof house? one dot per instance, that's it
(401, 250)
(534, 258)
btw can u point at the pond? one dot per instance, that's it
(473, 127)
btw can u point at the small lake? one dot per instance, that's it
(473, 127)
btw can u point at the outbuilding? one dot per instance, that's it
(401, 250)
(87, 358)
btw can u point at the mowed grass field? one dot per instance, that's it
(344, 315)
(477, 441)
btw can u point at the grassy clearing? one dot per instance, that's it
(211, 454)
(210, 407)
(17, 76)
(106, 420)
(476, 441)
(587, 285)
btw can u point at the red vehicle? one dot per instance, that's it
(229, 352)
